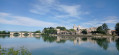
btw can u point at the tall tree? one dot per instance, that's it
(38, 31)
(72, 30)
(50, 30)
(61, 28)
(105, 28)
(100, 30)
(117, 28)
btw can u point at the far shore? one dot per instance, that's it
(105, 36)
(4, 34)
(78, 35)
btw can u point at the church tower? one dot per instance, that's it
(74, 27)
(79, 27)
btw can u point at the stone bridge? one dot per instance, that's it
(22, 33)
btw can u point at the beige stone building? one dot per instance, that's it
(91, 29)
(79, 29)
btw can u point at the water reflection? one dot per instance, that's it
(102, 42)
(51, 39)
(4, 36)
(117, 44)
(25, 35)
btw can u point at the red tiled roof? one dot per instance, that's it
(112, 30)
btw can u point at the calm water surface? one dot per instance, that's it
(49, 45)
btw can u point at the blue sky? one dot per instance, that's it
(32, 15)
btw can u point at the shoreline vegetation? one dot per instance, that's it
(102, 30)
(13, 51)
(105, 36)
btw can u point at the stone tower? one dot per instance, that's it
(79, 27)
(74, 27)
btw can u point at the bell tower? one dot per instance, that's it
(79, 27)
(74, 27)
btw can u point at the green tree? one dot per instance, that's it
(102, 29)
(38, 31)
(0, 32)
(3, 32)
(117, 29)
(61, 28)
(50, 30)
(105, 28)
(72, 30)
(93, 32)
(84, 31)
(8, 32)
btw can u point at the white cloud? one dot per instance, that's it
(47, 1)
(25, 21)
(43, 7)
(62, 13)
(71, 10)
(111, 19)
(98, 22)
(93, 23)
(56, 8)
(4, 14)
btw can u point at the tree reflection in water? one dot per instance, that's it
(84, 39)
(61, 41)
(37, 37)
(48, 38)
(4, 36)
(102, 42)
(51, 39)
(12, 51)
(117, 44)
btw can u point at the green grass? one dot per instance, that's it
(12, 51)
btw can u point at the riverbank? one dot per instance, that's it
(103, 36)
(4, 34)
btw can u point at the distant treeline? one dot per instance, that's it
(4, 32)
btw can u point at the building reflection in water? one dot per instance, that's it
(102, 42)
(12, 36)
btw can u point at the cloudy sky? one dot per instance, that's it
(31, 15)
